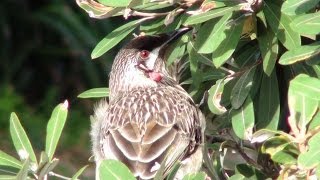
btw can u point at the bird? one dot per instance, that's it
(150, 121)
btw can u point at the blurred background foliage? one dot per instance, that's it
(45, 58)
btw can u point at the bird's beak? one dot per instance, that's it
(176, 35)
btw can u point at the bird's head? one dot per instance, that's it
(140, 63)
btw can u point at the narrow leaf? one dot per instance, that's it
(228, 45)
(243, 120)
(48, 168)
(95, 93)
(79, 172)
(307, 24)
(54, 128)
(21, 140)
(269, 103)
(269, 47)
(112, 169)
(114, 38)
(23, 173)
(280, 25)
(301, 53)
(294, 7)
(7, 160)
(242, 88)
(200, 18)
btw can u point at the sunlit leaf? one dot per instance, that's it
(200, 18)
(301, 53)
(114, 38)
(8, 177)
(306, 86)
(20, 139)
(311, 158)
(280, 25)
(112, 169)
(307, 24)
(7, 160)
(115, 3)
(294, 7)
(95, 93)
(54, 128)
(211, 35)
(269, 103)
(195, 176)
(243, 120)
(228, 45)
(242, 88)
(281, 150)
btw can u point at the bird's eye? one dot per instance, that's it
(144, 54)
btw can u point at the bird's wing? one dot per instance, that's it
(146, 126)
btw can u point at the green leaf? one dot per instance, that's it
(242, 88)
(113, 169)
(302, 110)
(8, 177)
(269, 47)
(307, 24)
(243, 120)
(20, 139)
(195, 176)
(211, 34)
(114, 38)
(237, 177)
(48, 167)
(311, 158)
(315, 122)
(249, 172)
(306, 86)
(294, 7)
(200, 18)
(23, 173)
(281, 150)
(177, 51)
(280, 25)
(228, 45)
(54, 128)
(79, 172)
(214, 98)
(7, 160)
(195, 72)
(269, 103)
(246, 56)
(301, 53)
(115, 3)
(95, 93)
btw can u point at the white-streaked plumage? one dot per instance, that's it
(147, 122)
